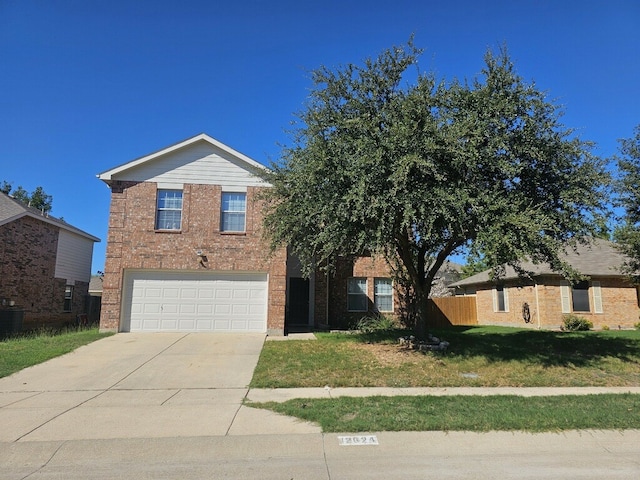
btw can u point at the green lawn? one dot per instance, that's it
(24, 351)
(477, 356)
(477, 414)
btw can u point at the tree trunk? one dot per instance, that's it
(422, 303)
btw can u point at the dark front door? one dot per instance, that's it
(298, 313)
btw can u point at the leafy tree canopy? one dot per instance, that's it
(628, 188)
(417, 171)
(36, 199)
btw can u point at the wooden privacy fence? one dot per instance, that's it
(448, 311)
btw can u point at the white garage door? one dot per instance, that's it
(195, 302)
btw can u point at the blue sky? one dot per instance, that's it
(86, 85)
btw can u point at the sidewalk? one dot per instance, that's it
(284, 394)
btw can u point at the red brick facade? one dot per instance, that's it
(619, 304)
(331, 307)
(27, 274)
(133, 243)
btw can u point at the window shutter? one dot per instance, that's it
(506, 299)
(565, 297)
(495, 299)
(597, 297)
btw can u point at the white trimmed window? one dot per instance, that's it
(383, 294)
(357, 300)
(234, 212)
(169, 210)
(68, 298)
(500, 299)
(577, 297)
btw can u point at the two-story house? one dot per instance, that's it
(45, 266)
(185, 252)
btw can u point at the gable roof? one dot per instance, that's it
(599, 258)
(11, 210)
(109, 175)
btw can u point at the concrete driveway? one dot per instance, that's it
(141, 386)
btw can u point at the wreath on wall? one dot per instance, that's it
(526, 312)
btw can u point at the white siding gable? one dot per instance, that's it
(73, 259)
(197, 163)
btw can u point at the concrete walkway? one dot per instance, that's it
(173, 406)
(173, 385)
(141, 386)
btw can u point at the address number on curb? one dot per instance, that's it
(358, 440)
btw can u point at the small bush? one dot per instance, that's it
(574, 323)
(605, 327)
(637, 326)
(376, 323)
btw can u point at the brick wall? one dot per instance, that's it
(28, 250)
(133, 243)
(338, 314)
(619, 305)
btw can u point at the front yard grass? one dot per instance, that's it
(27, 350)
(477, 357)
(476, 414)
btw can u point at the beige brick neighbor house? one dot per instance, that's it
(45, 266)
(607, 298)
(185, 252)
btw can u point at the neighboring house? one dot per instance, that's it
(607, 297)
(186, 252)
(448, 274)
(45, 265)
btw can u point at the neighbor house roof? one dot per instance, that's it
(597, 259)
(202, 137)
(12, 209)
(95, 286)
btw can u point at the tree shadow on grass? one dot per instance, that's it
(546, 348)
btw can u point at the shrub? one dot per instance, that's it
(376, 323)
(605, 327)
(574, 323)
(637, 326)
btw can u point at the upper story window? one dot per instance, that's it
(234, 210)
(383, 294)
(357, 300)
(169, 211)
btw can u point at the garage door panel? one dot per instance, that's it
(193, 301)
(223, 294)
(187, 309)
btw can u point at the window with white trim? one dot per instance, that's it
(68, 298)
(383, 294)
(357, 300)
(581, 297)
(169, 210)
(500, 299)
(234, 212)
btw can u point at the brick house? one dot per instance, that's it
(45, 265)
(606, 298)
(185, 252)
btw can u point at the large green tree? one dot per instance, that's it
(627, 235)
(387, 160)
